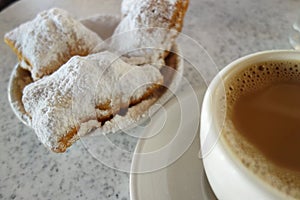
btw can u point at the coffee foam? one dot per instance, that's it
(248, 80)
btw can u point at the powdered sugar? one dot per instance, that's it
(133, 115)
(149, 28)
(70, 96)
(50, 40)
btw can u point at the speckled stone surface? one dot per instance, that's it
(227, 29)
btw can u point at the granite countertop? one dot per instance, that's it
(226, 29)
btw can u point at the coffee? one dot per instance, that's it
(262, 125)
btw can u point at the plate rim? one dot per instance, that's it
(133, 177)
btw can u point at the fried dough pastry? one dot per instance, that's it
(148, 28)
(50, 40)
(83, 94)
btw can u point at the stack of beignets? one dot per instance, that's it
(76, 90)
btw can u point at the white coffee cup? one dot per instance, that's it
(228, 177)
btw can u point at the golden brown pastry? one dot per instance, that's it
(83, 94)
(148, 28)
(50, 40)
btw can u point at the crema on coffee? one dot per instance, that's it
(262, 124)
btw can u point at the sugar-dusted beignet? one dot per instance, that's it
(83, 94)
(148, 28)
(50, 40)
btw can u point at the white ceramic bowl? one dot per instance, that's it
(230, 179)
(104, 25)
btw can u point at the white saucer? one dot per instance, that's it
(184, 178)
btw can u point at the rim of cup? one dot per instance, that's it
(228, 177)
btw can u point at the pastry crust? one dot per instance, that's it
(148, 28)
(85, 93)
(50, 40)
